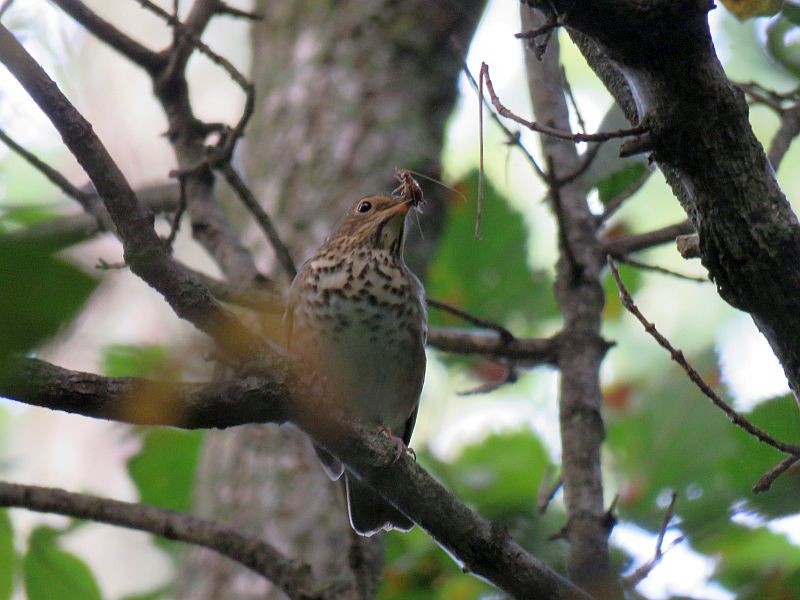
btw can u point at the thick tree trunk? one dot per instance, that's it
(347, 92)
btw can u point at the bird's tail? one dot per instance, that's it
(369, 513)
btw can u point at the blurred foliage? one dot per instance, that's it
(121, 360)
(662, 434)
(163, 470)
(668, 436)
(40, 293)
(782, 42)
(7, 556)
(487, 277)
(747, 9)
(619, 182)
(499, 477)
(51, 572)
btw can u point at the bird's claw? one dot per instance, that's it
(400, 446)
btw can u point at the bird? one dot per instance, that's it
(356, 316)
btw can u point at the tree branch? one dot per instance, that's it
(291, 576)
(736, 418)
(747, 230)
(642, 241)
(143, 249)
(481, 547)
(149, 60)
(579, 293)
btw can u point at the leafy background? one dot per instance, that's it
(497, 451)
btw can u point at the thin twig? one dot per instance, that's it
(602, 136)
(548, 489)
(477, 234)
(261, 216)
(513, 138)
(643, 571)
(641, 241)
(231, 11)
(224, 149)
(786, 134)
(505, 335)
(658, 269)
(766, 481)
(572, 101)
(625, 195)
(554, 191)
(83, 198)
(545, 31)
(736, 418)
(6, 5)
(176, 218)
(509, 376)
(138, 54)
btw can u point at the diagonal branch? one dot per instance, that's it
(149, 60)
(736, 418)
(292, 576)
(481, 547)
(143, 249)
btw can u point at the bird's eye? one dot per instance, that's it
(364, 206)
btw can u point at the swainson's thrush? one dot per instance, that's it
(356, 316)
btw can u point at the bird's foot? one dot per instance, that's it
(400, 446)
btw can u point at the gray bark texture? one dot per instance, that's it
(347, 92)
(657, 59)
(579, 292)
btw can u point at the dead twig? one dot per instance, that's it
(643, 571)
(510, 376)
(262, 218)
(505, 335)
(736, 418)
(548, 489)
(561, 134)
(658, 269)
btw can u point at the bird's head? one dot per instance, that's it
(375, 222)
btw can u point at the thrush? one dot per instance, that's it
(356, 317)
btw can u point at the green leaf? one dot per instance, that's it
(619, 182)
(780, 44)
(40, 293)
(24, 215)
(164, 469)
(748, 9)
(748, 556)
(675, 439)
(120, 360)
(154, 595)
(487, 474)
(487, 277)
(7, 556)
(416, 568)
(51, 572)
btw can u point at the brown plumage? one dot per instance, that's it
(356, 316)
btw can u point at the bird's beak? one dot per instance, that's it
(401, 208)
